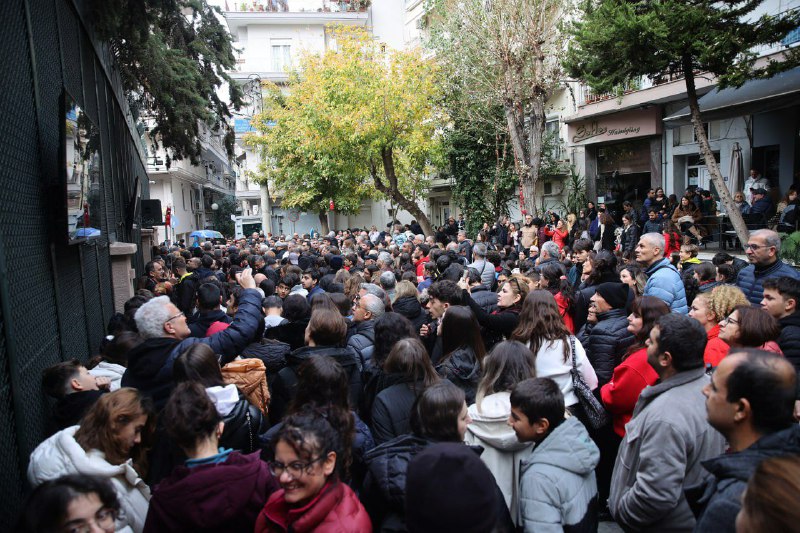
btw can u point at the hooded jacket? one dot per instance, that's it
(558, 489)
(463, 370)
(409, 307)
(664, 282)
(224, 497)
(789, 339)
(502, 451)
(606, 342)
(244, 422)
(61, 454)
(751, 279)
(285, 384)
(722, 492)
(665, 442)
(150, 363)
(384, 490)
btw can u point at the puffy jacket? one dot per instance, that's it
(391, 411)
(665, 442)
(630, 238)
(751, 280)
(244, 422)
(285, 385)
(502, 451)
(335, 509)
(606, 342)
(484, 298)
(112, 371)
(232, 494)
(199, 323)
(558, 489)
(362, 341)
(272, 353)
(384, 490)
(150, 363)
(716, 348)
(582, 299)
(409, 307)
(61, 454)
(664, 282)
(722, 492)
(628, 381)
(462, 369)
(789, 339)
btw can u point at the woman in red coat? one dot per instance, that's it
(559, 235)
(310, 458)
(634, 373)
(709, 308)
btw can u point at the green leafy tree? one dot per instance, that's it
(172, 57)
(359, 120)
(504, 53)
(619, 40)
(221, 218)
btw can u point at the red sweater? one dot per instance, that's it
(559, 236)
(716, 348)
(628, 381)
(334, 510)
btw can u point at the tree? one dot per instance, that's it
(506, 53)
(172, 57)
(357, 112)
(221, 217)
(619, 40)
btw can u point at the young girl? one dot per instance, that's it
(310, 459)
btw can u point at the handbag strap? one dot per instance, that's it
(572, 348)
(250, 430)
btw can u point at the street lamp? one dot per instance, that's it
(214, 206)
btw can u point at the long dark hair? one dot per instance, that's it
(410, 359)
(460, 329)
(650, 309)
(603, 263)
(198, 363)
(557, 282)
(541, 322)
(507, 364)
(435, 412)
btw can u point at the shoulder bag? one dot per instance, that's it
(595, 415)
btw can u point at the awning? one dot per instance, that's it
(755, 96)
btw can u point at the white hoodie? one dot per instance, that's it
(502, 451)
(61, 454)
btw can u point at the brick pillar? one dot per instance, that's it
(122, 275)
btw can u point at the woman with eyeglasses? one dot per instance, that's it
(710, 309)
(311, 458)
(500, 323)
(216, 488)
(75, 503)
(111, 442)
(750, 327)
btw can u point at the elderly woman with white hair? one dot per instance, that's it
(166, 335)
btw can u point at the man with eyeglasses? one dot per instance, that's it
(763, 248)
(166, 335)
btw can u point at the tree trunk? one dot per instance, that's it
(392, 191)
(324, 229)
(537, 126)
(516, 130)
(711, 163)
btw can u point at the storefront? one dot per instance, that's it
(622, 153)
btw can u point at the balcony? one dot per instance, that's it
(297, 6)
(295, 12)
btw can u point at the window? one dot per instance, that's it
(686, 135)
(552, 129)
(281, 55)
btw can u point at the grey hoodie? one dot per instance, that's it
(502, 452)
(558, 489)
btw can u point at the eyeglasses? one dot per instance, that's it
(729, 320)
(103, 519)
(174, 317)
(295, 469)
(755, 247)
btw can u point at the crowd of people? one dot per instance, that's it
(540, 378)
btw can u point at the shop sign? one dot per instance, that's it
(619, 126)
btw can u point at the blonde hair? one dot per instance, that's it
(724, 299)
(404, 288)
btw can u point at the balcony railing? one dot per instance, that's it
(297, 6)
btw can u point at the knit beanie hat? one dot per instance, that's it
(449, 488)
(616, 294)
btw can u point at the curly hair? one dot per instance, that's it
(724, 299)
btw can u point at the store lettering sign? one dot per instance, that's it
(619, 126)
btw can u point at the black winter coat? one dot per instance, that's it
(629, 238)
(200, 321)
(185, 292)
(721, 492)
(606, 342)
(496, 325)
(292, 333)
(69, 410)
(384, 490)
(285, 385)
(409, 307)
(580, 306)
(484, 297)
(375, 381)
(789, 339)
(362, 341)
(243, 426)
(462, 369)
(391, 412)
